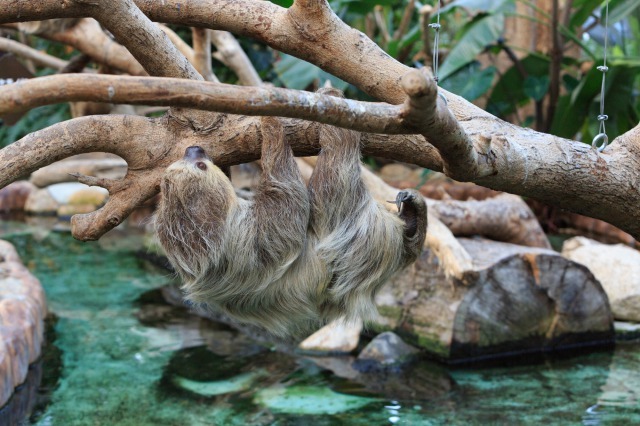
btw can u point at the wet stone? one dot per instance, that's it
(386, 351)
(14, 196)
(41, 202)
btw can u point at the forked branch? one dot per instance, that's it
(471, 144)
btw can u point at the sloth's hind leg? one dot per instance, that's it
(336, 190)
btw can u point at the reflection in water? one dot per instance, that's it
(128, 358)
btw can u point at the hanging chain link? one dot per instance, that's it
(601, 140)
(436, 41)
(436, 49)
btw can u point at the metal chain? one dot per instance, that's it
(436, 49)
(436, 41)
(601, 137)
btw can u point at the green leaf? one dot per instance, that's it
(570, 82)
(620, 9)
(298, 74)
(508, 93)
(581, 11)
(478, 5)
(581, 107)
(35, 119)
(470, 82)
(283, 3)
(536, 87)
(478, 35)
(360, 7)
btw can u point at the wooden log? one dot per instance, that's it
(513, 299)
(472, 298)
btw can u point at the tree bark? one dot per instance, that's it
(514, 299)
(456, 137)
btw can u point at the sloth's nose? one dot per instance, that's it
(195, 153)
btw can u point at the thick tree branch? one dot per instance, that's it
(87, 37)
(126, 136)
(180, 44)
(507, 157)
(427, 111)
(363, 116)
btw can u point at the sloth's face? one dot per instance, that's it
(197, 184)
(195, 168)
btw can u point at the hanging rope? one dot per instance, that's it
(436, 48)
(601, 140)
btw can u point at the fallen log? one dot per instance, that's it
(469, 298)
(473, 298)
(512, 299)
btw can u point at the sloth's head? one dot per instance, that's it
(194, 168)
(195, 173)
(196, 199)
(196, 183)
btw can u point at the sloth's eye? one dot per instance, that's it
(201, 165)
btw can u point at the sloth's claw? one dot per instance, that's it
(403, 197)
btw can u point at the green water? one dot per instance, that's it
(120, 356)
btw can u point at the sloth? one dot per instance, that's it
(293, 257)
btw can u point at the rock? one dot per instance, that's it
(66, 199)
(41, 202)
(335, 337)
(394, 172)
(111, 168)
(308, 400)
(14, 196)
(93, 196)
(8, 252)
(386, 350)
(6, 373)
(64, 193)
(66, 211)
(245, 176)
(627, 330)
(617, 267)
(423, 380)
(22, 312)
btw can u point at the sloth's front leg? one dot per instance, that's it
(412, 209)
(281, 204)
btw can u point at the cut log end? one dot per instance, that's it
(514, 300)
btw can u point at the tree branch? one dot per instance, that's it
(202, 53)
(180, 44)
(363, 116)
(426, 111)
(231, 54)
(507, 157)
(27, 52)
(87, 37)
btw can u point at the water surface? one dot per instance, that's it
(119, 355)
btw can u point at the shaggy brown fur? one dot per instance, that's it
(293, 257)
